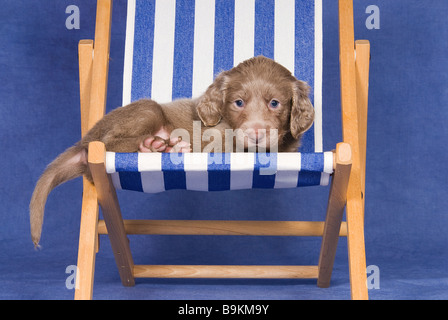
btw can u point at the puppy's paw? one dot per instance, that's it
(180, 146)
(153, 144)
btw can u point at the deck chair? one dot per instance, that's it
(184, 44)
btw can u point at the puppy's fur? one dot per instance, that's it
(256, 96)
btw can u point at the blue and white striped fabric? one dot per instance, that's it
(157, 172)
(175, 48)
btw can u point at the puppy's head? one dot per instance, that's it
(263, 99)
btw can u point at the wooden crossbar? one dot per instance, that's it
(225, 271)
(224, 227)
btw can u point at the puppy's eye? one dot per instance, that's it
(239, 103)
(274, 103)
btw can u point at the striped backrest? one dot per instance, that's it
(175, 48)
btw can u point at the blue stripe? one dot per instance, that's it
(183, 49)
(312, 162)
(218, 171)
(173, 171)
(131, 181)
(304, 58)
(264, 170)
(307, 142)
(224, 35)
(143, 49)
(304, 45)
(308, 178)
(264, 28)
(126, 162)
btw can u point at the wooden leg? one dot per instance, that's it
(88, 235)
(87, 249)
(356, 245)
(350, 134)
(335, 211)
(93, 85)
(107, 198)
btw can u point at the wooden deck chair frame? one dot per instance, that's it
(346, 191)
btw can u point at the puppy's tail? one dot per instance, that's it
(69, 165)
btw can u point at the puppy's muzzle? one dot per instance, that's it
(256, 135)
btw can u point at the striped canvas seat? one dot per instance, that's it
(175, 48)
(156, 172)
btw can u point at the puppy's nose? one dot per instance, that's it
(257, 133)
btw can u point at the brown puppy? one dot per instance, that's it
(259, 103)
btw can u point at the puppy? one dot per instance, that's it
(258, 98)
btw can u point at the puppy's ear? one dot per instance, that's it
(302, 111)
(211, 102)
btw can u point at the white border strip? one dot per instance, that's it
(284, 33)
(244, 31)
(204, 45)
(163, 57)
(110, 162)
(128, 53)
(318, 56)
(328, 162)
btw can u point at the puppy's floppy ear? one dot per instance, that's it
(302, 111)
(211, 102)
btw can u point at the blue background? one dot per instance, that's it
(406, 193)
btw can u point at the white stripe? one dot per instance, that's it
(150, 168)
(195, 161)
(328, 162)
(289, 161)
(318, 144)
(110, 162)
(204, 39)
(241, 170)
(195, 166)
(244, 30)
(284, 33)
(128, 53)
(151, 161)
(163, 56)
(288, 167)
